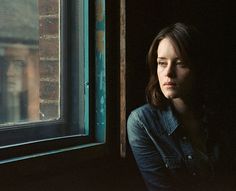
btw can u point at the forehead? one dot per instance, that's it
(167, 49)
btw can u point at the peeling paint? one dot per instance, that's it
(100, 41)
(100, 10)
(100, 69)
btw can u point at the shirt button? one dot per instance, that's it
(166, 165)
(184, 138)
(190, 157)
(194, 174)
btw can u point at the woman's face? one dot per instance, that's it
(174, 75)
(15, 76)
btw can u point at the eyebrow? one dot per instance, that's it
(164, 58)
(161, 58)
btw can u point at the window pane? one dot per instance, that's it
(29, 61)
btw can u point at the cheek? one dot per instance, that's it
(185, 74)
(159, 76)
(187, 79)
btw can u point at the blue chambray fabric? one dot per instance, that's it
(166, 158)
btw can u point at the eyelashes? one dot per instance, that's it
(176, 63)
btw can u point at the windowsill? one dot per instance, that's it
(82, 152)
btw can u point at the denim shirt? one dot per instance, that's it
(167, 160)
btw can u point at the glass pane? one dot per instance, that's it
(29, 61)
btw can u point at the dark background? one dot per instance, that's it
(144, 20)
(215, 19)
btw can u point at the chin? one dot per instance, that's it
(171, 96)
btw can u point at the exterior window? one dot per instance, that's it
(50, 89)
(29, 61)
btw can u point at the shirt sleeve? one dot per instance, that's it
(147, 157)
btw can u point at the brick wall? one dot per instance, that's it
(49, 58)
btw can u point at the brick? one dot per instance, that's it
(49, 90)
(49, 69)
(48, 7)
(49, 48)
(48, 26)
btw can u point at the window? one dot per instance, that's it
(52, 70)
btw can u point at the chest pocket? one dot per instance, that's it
(172, 162)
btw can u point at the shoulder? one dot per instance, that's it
(136, 125)
(141, 113)
(144, 110)
(143, 118)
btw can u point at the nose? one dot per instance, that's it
(170, 70)
(10, 71)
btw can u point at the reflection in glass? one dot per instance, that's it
(24, 63)
(16, 93)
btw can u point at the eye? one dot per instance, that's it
(161, 63)
(181, 63)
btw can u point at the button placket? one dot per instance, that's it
(190, 157)
(187, 150)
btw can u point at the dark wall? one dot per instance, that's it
(215, 19)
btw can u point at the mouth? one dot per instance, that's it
(169, 84)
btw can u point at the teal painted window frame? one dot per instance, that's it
(100, 73)
(86, 65)
(82, 141)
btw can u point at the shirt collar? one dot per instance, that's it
(170, 120)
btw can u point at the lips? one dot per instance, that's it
(169, 84)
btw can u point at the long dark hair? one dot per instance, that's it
(187, 40)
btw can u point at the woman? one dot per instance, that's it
(169, 136)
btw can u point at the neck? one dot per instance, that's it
(182, 107)
(187, 115)
(190, 122)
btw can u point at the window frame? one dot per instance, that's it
(44, 147)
